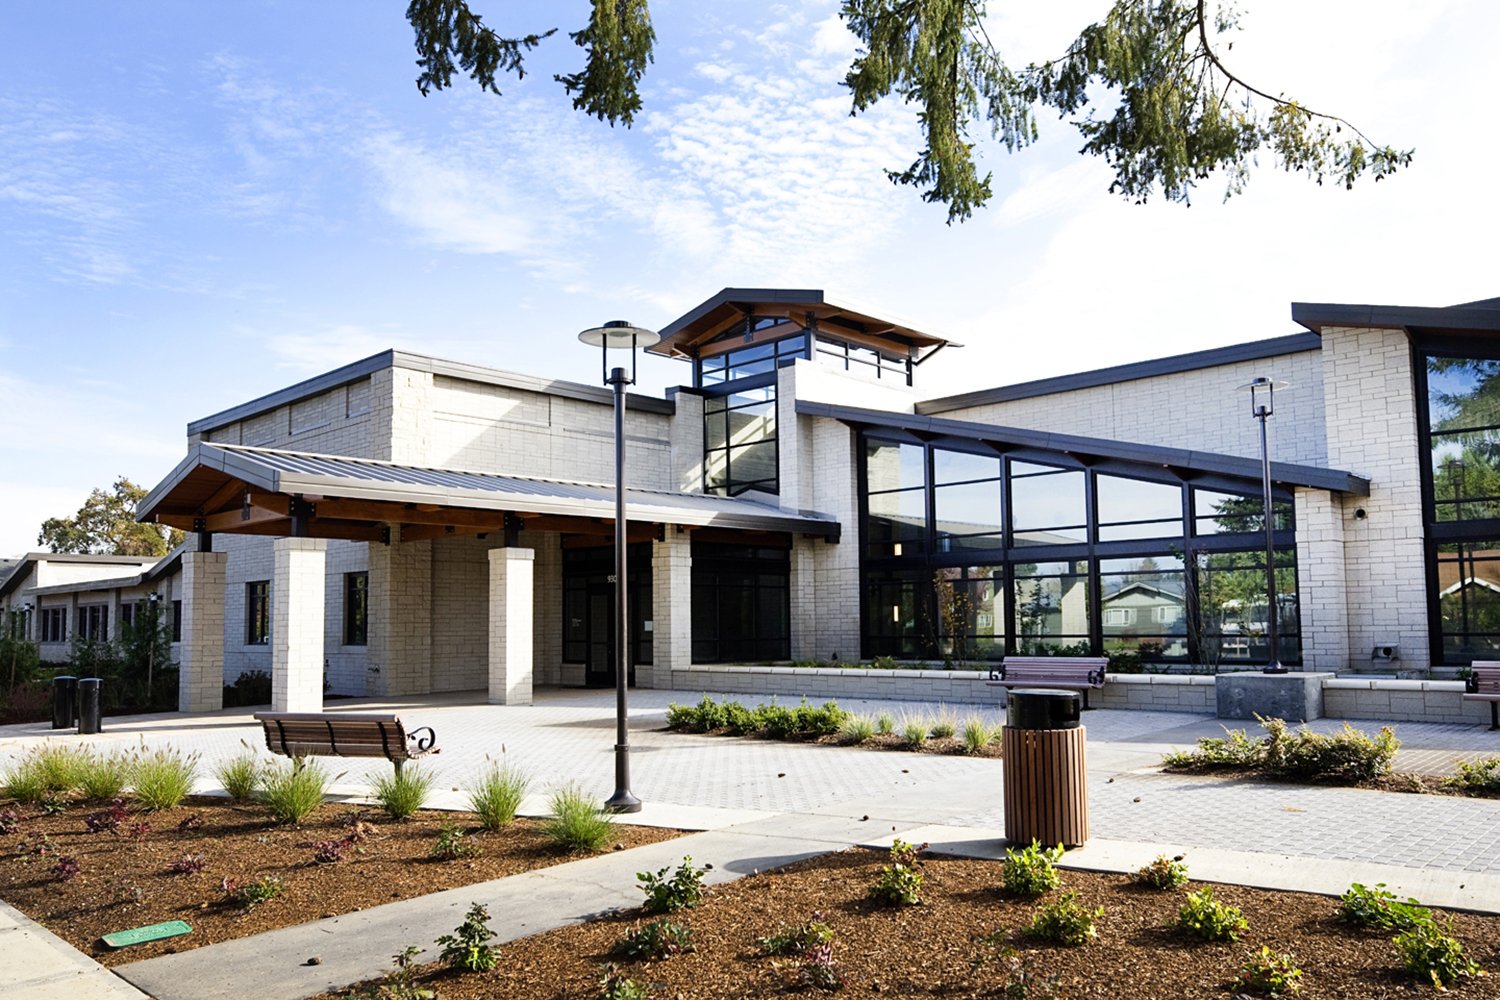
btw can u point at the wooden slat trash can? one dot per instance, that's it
(1045, 753)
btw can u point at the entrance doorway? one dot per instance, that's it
(589, 611)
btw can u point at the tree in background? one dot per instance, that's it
(106, 525)
(1181, 114)
(20, 659)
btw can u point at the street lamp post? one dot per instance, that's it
(1262, 404)
(620, 335)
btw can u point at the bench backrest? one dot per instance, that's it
(1075, 669)
(310, 735)
(1485, 678)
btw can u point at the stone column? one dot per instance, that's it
(671, 608)
(511, 610)
(297, 603)
(200, 655)
(1322, 593)
(804, 599)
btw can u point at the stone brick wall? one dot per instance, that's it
(546, 639)
(1197, 409)
(346, 664)
(1372, 432)
(200, 654)
(460, 613)
(1322, 593)
(298, 620)
(336, 422)
(1402, 701)
(399, 656)
(250, 558)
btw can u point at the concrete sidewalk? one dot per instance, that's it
(39, 965)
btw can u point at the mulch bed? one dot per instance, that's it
(947, 746)
(1416, 784)
(243, 843)
(931, 951)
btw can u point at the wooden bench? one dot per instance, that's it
(297, 735)
(1483, 684)
(1075, 673)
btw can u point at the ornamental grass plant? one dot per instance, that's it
(293, 791)
(578, 821)
(239, 776)
(404, 792)
(496, 793)
(102, 777)
(162, 778)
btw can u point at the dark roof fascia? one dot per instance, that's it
(1317, 315)
(417, 362)
(1069, 444)
(795, 296)
(17, 575)
(1295, 343)
(231, 462)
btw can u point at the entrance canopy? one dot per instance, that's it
(234, 489)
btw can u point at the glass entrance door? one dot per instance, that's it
(599, 670)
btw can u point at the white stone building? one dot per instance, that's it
(406, 525)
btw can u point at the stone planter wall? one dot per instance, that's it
(1401, 701)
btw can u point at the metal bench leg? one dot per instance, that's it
(398, 762)
(1494, 715)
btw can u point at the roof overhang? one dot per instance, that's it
(1469, 318)
(690, 334)
(233, 489)
(1200, 467)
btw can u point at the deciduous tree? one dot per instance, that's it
(106, 525)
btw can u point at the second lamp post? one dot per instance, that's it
(620, 335)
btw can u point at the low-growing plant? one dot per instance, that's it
(1023, 979)
(1066, 921)
(1435, 957)
(239, 776)
(327, 852)
(251, 895)
(467, 947)
(1163, 873)
(820, 971)
(53, 804)
(291, 793)
(138, 832)
(404, 792)
(1205, 917)
(616, 985)
(124, 890)
(885, 724)
(188, 864)
(400, 982)
(1234, 749)
(59, 765)
(23, 782)
(496, 793)
(10, 822)
(190, 823)
(163, 777)
(66, 868)
(452, 844)
(885, 663)
(978, 734)
(1379, 908)
(683, 889)
(38, 844)
(1269, 974)
(943, 727)
(578, 822)
(102, 777)
(857, 728)
(914, 729)
(656, 940)
(106, 820)
(900, 883)
(794, 940)
(1032, 870)
(1347, 755)
(1475, 774)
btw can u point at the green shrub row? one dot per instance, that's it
(1348, 755)
(775, 721)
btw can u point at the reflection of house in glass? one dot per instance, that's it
(1148, 616)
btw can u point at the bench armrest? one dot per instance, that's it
(997, 673)
(424, 743)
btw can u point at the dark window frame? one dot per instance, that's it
(53, 624)
(257, 612)
(177, 621)
(357, 608)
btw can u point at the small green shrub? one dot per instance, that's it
(292, 792)
(739, 719)
(467, 947)
(1269, 974)
(857, 728)
(400, 981)
(1065, 921)
(1022, 974)
(885, 724)
(1163, 873)
(451, 844)
(1032, 870)
(978, 734)
(943, 727)
(794, 940)
(496, 794)
(1205, 917)
(24, 783)
(261, 891)
(578, 821)
(914, 729)
(239, 776)
(684, 889)
(1379, 908)
(885, 663)
(1435, 957)
(656, 940)
(776, 721)
(900, 883)
(1476, 774)
(102, 777)
(1234, 749)
(162, 778)
(616, 985)
(1348, 755)
(404, 792)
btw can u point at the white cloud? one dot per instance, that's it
(26, 506)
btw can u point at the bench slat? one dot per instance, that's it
(304, 734)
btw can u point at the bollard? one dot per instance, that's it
(64, 698)
(89, 721)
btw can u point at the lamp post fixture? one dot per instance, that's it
(1262, 404)
(620, 335)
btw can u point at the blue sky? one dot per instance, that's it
(201, 203)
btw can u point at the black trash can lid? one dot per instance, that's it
(88, 680)
(1044, 708)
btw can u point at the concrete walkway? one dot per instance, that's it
(763, 804)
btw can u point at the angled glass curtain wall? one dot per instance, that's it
(966, 556)
(1460, 418)
(739, 408)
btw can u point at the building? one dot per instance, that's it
(406, 525)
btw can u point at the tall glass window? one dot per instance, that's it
(967, 556)
(739, 442)
(741, 603)
(865, 362)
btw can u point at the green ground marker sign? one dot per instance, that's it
(142, 935)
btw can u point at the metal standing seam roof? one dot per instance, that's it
(1204, 462)
(369, 479)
